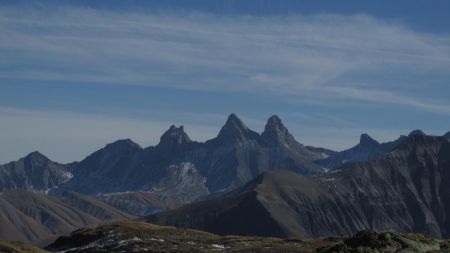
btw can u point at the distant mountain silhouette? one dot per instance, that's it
(33, 172)
(187, 170)
(367, 149)
(239, 170)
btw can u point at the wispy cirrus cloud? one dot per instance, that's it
(326, 58)
(330, 77)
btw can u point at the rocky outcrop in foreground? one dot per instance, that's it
(144, 237)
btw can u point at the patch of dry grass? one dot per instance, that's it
(19, 247)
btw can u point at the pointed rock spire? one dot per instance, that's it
(233, 122)
(174, 136)
(235, 130)
(36, 156)
(274, 124)
(366, 140)
(275, 131)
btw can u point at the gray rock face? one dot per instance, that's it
(35, 172)
(278, 136)
(236, 156)
(275, 132)
(405, 190)
(173, 137)
(233, 161)
(367, 149)
(235, 130)
(182, 184)
(321, 153)
(105, 169)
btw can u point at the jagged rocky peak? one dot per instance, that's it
(366, 140)
(275, 131)
(416, 138)
(275, 126)
(447, 134)
(174, 136)
(36, 157)
(122, 145)
(417, 132)
(234, 129)
(233, 122)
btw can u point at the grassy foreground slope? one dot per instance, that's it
(128, 236)
(19, 247)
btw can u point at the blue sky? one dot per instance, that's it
(75, 75)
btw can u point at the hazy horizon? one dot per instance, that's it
(76, 75)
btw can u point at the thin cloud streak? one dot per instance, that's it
(306, 57)
(391, 98)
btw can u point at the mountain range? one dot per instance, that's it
(234, 157)
(367, 149)
(181, 170)
(404, 190)
(240, 182)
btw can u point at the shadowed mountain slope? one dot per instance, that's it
(17, 226)
(405, 190)
(28, 216)
(367, 149)
(138, 203)
(34, 172)
(182, 170)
